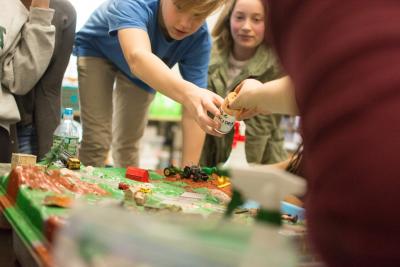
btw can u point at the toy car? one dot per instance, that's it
(73, 164)
(209, 170)
(70, 161)
(172, 170)
(195, 173)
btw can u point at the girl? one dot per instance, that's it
(239, 54)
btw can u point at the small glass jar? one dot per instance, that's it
(226, 119)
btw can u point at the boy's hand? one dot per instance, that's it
(40, 3)
(200, 101)
(248, 99)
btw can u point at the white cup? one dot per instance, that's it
(227, 121)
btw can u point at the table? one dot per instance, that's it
(17, 252)
(32, 252)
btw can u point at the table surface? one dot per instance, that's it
(27, 256)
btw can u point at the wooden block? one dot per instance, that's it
(129, 194)
(22, 160)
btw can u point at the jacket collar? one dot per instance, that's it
(258, 64)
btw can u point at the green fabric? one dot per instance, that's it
(264, 138)
(269, 217)
(2, 32)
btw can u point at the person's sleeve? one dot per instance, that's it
(194, 66)
(345, 69)
(122, 14)
(24, 66)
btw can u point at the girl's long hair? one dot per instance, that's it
(222, 29)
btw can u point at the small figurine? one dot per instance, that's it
(173, 208)
(266, 216)
(290, 218)
(129, 193)
(145, 190)
(62, 201)
(222, 181)
(140, 198)
(123, 186)
(221, 196)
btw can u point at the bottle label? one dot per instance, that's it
(227, 121)
(69, 144)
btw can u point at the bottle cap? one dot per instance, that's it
(69, 111)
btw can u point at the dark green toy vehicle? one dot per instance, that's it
(195, 173)
(172, 170)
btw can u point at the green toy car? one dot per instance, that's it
(172, 170)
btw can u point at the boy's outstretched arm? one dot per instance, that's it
(149, 68)
(193, 140)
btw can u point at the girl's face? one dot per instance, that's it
(177, 23)
(247, 24)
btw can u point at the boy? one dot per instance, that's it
(134, 43)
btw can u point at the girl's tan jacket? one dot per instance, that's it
(264, 138)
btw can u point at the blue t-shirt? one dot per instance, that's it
(98, 38)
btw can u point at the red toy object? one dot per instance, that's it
(137, 174)
(123, 186)
(237, 137)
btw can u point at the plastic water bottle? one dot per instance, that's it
(67, 133)
(238, 153)
(79, 127)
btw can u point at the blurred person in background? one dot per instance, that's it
(26, 46)
(40, 107)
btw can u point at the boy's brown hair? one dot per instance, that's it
(222, 30)
(202, 7)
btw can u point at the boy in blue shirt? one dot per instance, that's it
(131, 45)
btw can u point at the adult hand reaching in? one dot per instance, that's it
(254, 98)
(248, 99)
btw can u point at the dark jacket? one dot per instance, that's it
(264, 139)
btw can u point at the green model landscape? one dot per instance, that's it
(29, 213)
